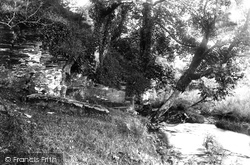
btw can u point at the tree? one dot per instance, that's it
(124, 47)
(18, 12)
(203, 23)
(63, 33)
(20, 15)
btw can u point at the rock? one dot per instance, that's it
(203, 143)
(89, 106)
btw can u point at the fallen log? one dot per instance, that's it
(76, 103)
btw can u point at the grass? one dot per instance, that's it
(214, 151)
(238, 103)
(234, 111)
(241, 107)
(84, 139)
(91, 138)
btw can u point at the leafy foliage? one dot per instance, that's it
(190, 26)
(127, 38)
(128, 55)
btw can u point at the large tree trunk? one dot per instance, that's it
(200, 54)
(163, 109)
(146, 35)
(102, 28)
(187, 77)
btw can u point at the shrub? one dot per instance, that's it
(15, 133)
(214, 151)
(238, 104)
(239, 127)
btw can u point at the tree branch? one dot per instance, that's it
(159, 1)
(205, 6)
(4, 23)
(35, 11)
(26, 20)
(201, 100)
(196, 76)
(13, 16)
(109, 10)
(174, 38)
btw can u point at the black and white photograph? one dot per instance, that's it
(124, 82)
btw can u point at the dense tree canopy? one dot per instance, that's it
(201, 32)
(120, 42)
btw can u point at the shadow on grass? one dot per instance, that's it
(84, 140)
(118, 138)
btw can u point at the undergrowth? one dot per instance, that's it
(234, 112)
(83, 139)
(86, 140)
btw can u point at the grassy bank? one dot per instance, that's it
(96, 140)
(234, 112)
(85, 138)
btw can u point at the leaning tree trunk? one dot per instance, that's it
(200, 54)
(187, 77)
(163, 109)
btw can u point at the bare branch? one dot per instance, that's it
(159, 1)
(26, 20)
(205, 6)
(34, 12)
(13, 16)
(201, 100)
(174, 38)
(4, 23)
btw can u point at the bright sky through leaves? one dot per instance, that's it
(81, 2)
(85, 2)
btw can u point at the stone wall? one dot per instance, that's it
(48, 81)
(23, 57)
(28, 58)
(96, 92)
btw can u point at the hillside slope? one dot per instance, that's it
(82, 136)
